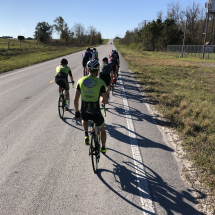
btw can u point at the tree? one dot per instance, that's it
(43, 32)
(62, 28)
(80, 33)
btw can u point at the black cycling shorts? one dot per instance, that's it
(62, 82)
(106, 78)
(97, 119)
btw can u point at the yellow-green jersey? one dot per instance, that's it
(63, 71)
(91, 88)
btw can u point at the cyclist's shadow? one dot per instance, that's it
(73, 122)
(171, 200)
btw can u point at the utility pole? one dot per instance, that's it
(184, 38)
(206, 30)
(145, 22)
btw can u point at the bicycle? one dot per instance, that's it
(62, 102)
(94, 149)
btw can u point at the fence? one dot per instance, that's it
(20, 45)
(37, 45)
(193, 50)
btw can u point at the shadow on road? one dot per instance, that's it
(113, 131)
(171, 200)
(73, 121)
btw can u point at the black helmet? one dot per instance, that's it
(93, 64)
(64, 61)
(88, 49)
(105, 59)
(94, 49)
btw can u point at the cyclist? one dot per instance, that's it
(105, 72)
(61, 79)
(95, 54)
(91, 89)
(116, 55)
(112, 62)
(87, 55)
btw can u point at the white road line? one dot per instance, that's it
(145, 194)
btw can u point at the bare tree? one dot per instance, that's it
(160, 15)
(79, 30)
(174, 12)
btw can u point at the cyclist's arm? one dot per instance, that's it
(103, 95)
(76, 99)
(104, 98)
(71, 77)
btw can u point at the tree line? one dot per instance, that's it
(76, 35)
(159, 33)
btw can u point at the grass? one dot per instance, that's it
(105, 41)
(183, 90)
(16, 58)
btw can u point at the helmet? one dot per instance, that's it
(64, 61)
(114, 51)
(93, 64)
(104, 59)
(94, 49)
(88, 49)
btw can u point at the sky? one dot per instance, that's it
(112, 17)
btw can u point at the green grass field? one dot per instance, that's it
(16, 57)
(183, 90)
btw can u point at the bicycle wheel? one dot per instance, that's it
(94, 154)
(61, 105)
(112, 88)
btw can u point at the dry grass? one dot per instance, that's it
(184, 91)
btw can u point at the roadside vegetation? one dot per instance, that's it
(16, 57)
(183, 91)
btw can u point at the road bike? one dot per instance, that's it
(62, 102)
(95, 145)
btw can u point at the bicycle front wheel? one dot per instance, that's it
(61, 105)
(94, 154)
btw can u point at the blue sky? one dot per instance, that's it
(111, 18)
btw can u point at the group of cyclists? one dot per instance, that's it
(92, 89)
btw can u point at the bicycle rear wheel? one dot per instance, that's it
(112, 88)
(61, 105)
(94, 155)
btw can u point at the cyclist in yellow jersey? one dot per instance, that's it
(61, 79)
(91, 89)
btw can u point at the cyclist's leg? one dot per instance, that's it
(85, 125)
(103, 135)
(59, 90)
(67, 94)
(100, 123)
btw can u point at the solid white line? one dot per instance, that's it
(145, 194)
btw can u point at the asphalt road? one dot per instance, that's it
(45, 167)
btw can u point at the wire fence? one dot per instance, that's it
(36, 45)
(193, 50)
(20, 45)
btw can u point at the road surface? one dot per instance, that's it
(45, 167)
